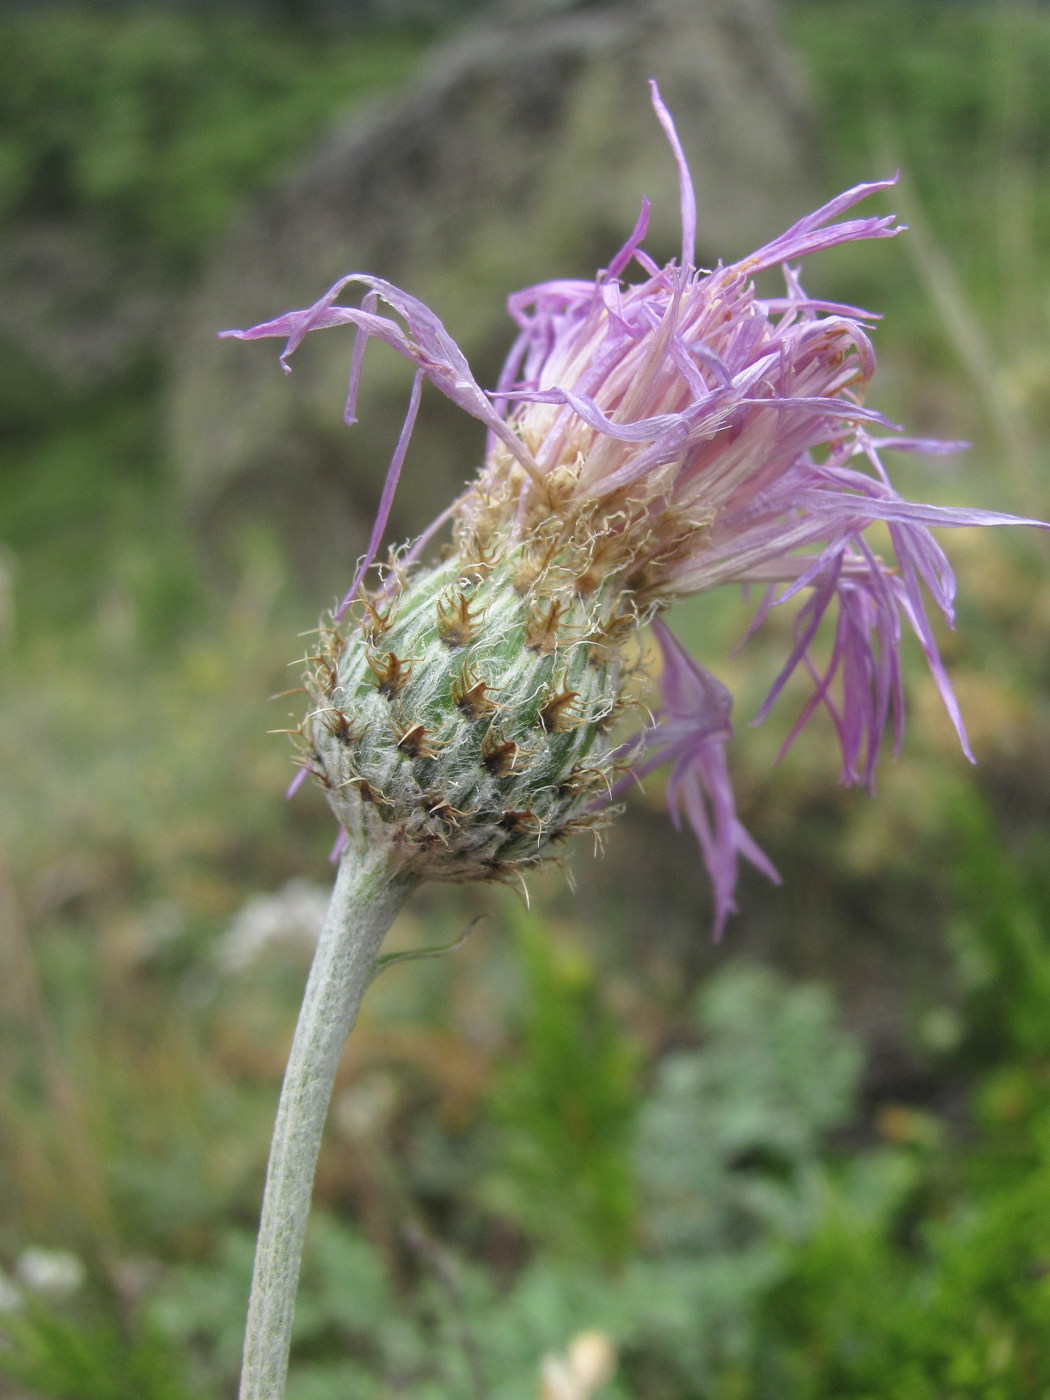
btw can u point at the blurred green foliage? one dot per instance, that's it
(731, 1129)
(99, 1356)
(157, 124)
(563, 1115)
(679, 1303)
(942, 1288)
(145, 130)
(956, 95)
(767, 1261)
(708, 1177)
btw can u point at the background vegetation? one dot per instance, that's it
(816, 1171)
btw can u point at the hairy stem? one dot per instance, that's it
(367, 896)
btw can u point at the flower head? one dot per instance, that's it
(647, 439)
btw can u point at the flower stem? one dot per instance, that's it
(368, 893)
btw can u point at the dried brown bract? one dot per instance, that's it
(541, 627)
(376, 621)
(341, 726)
(469, 694)
(456, 622)
(391, 672)
(498, 754)
(411, 738)
(559, 712)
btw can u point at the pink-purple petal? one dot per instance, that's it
(685, 183)
(690, 732)
(386, 500)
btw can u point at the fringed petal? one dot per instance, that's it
(690, 732)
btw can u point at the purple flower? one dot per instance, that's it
(656, 438)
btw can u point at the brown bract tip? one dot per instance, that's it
(456, 623)
(412, 740)
(375, 621)
(541, 627)
(498, 754)
(468, 694)
(391, 672)
(557, 713)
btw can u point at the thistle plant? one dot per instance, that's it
(649, 438)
